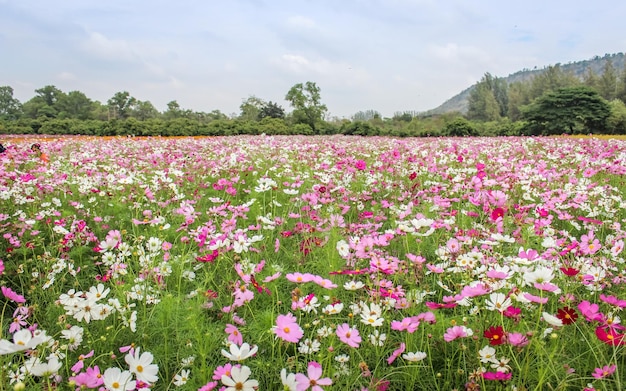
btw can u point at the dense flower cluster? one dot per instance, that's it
(248, 263)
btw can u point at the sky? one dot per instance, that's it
(384, 55)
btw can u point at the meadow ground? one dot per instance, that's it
(296, 263)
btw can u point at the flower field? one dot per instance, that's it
(313, 263)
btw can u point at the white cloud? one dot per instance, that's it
(100, 46)
(299, 21)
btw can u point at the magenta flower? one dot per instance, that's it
(312, 379)
(11, 295)
(603, 372)
(396, 353)
(234, 335)
(496, 376)
(287, 328)
(348, 335)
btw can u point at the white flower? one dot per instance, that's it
(181, 378)
(97, 292)
(343, 248)
(309, 346)
(46, 369)
(498, 302)
(414, 357)
(142, 366)
(353, 285)
(238, 380)
(74, 335)
(288, 380)
(115, 379)
(22, 340)
(240, 353)
(487, 354)
(377, 338)
(552, 320)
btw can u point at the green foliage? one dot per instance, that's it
(271, 110)
(616, 123)
(488, 101)
(359, 128)
(10, 108)
(306, 101)
(572, 110)
(120, 105)
(459, 127)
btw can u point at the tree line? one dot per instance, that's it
(553, 102)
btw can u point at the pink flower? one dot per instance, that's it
(473, 291)
(348, 335)
(457, 332)
(590, 311)
(410, 324)
(209, 386)
(80, 363)
(396, 353)
(299, 277)
(222, 370)
(11, 295)
(612, 300)
(517, 339)
(535, 299)
(360, 165)
(91, 378)
(234, 335)
(603, 372)
(312, 379)
(287, 328)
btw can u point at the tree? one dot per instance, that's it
(44, 104)
(271, 110)
(10, 108)
(250, 108)
(143, 110)
(489, 100)
(607, 84)
(306, 101)
(459, 127)
(551, 79)
(366, 115)
(75, 105)
(120, 105)
(568, 110)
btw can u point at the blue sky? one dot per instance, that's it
(388, 56)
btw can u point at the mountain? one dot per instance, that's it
(458, 102)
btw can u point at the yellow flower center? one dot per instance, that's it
(139, 368)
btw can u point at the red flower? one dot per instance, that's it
(567, 315)
(496, 213)
(610, 337)
(495, 334)
(569, 271)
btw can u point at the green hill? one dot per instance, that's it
(458, 103)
